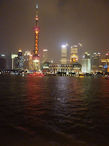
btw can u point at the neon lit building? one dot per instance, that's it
(74, 54)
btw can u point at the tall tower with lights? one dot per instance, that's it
(36, 58)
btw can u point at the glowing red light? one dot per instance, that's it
(36, 74)
(36, 29)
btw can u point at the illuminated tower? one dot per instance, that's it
(74, 54)
(36, 59)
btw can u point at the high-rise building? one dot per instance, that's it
(13, 58)
(64, 54)
(45, 56)
(18, 61)
(86, 63)
(28, 60)
(2, 61)
(74, 54)
(96, 62)
(36, 59)
(105, 62)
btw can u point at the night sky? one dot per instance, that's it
(71, 21)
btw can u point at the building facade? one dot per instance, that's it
(74, 54)
(86, 63)
(64, 54)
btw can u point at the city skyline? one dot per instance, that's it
(60, 22)
(54, 72)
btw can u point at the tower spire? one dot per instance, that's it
(37, 6)
(37, 9)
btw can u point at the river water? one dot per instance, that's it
(54, 111)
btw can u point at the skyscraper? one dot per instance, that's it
(13, 59)
(28, 60)
(19, 60)
(74, 54)
(64, 54)
(96, 62)
(86, 63)
(45, 56)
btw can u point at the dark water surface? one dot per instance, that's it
(54, 111)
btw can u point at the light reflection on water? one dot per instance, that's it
(46, 106)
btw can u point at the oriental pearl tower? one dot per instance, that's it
(36, 58)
